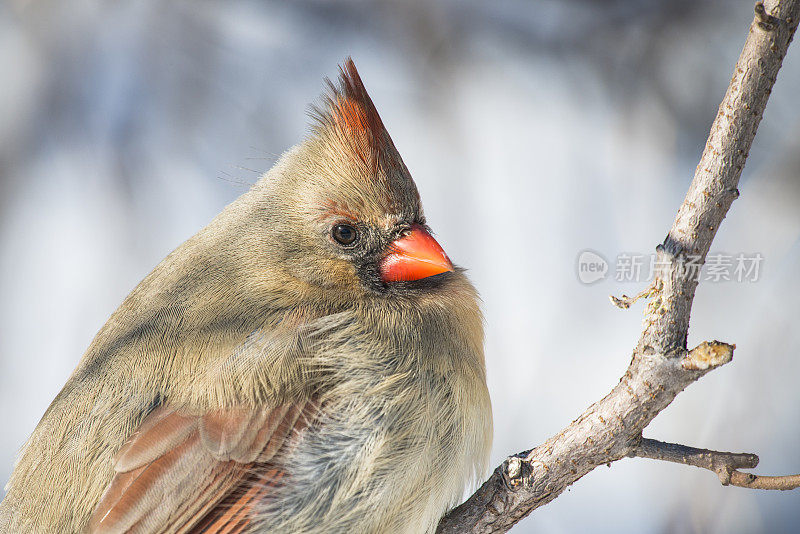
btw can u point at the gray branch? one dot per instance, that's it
(722, 463)
(661, 367)
(725, 464)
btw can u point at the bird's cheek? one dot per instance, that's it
(414, 256)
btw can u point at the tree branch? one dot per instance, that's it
(722, 463)
(748, 480)
(661, 367)
(725, 464)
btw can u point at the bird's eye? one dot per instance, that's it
(344, 234)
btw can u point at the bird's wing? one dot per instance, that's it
(186, 473)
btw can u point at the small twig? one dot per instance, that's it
(748, 480)
(624, 302)
(725, 464)
(722, 463)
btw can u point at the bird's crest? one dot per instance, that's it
(347, 112)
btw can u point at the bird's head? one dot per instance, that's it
(348, 215)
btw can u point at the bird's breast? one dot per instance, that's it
(405, 425)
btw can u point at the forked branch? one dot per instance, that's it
(661, 366)
(725, 464)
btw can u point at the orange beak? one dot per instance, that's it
(414, 256)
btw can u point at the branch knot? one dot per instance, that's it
(765, 21)
(517, 472)
(708, 355)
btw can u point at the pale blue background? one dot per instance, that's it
(534, 130)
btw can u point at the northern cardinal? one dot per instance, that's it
(310, 361)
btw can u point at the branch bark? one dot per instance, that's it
(725, 464)
(661, 366)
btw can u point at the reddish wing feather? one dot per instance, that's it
(191, 474)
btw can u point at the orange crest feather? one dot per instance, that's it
(349, 114)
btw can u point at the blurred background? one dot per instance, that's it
(534, 130)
